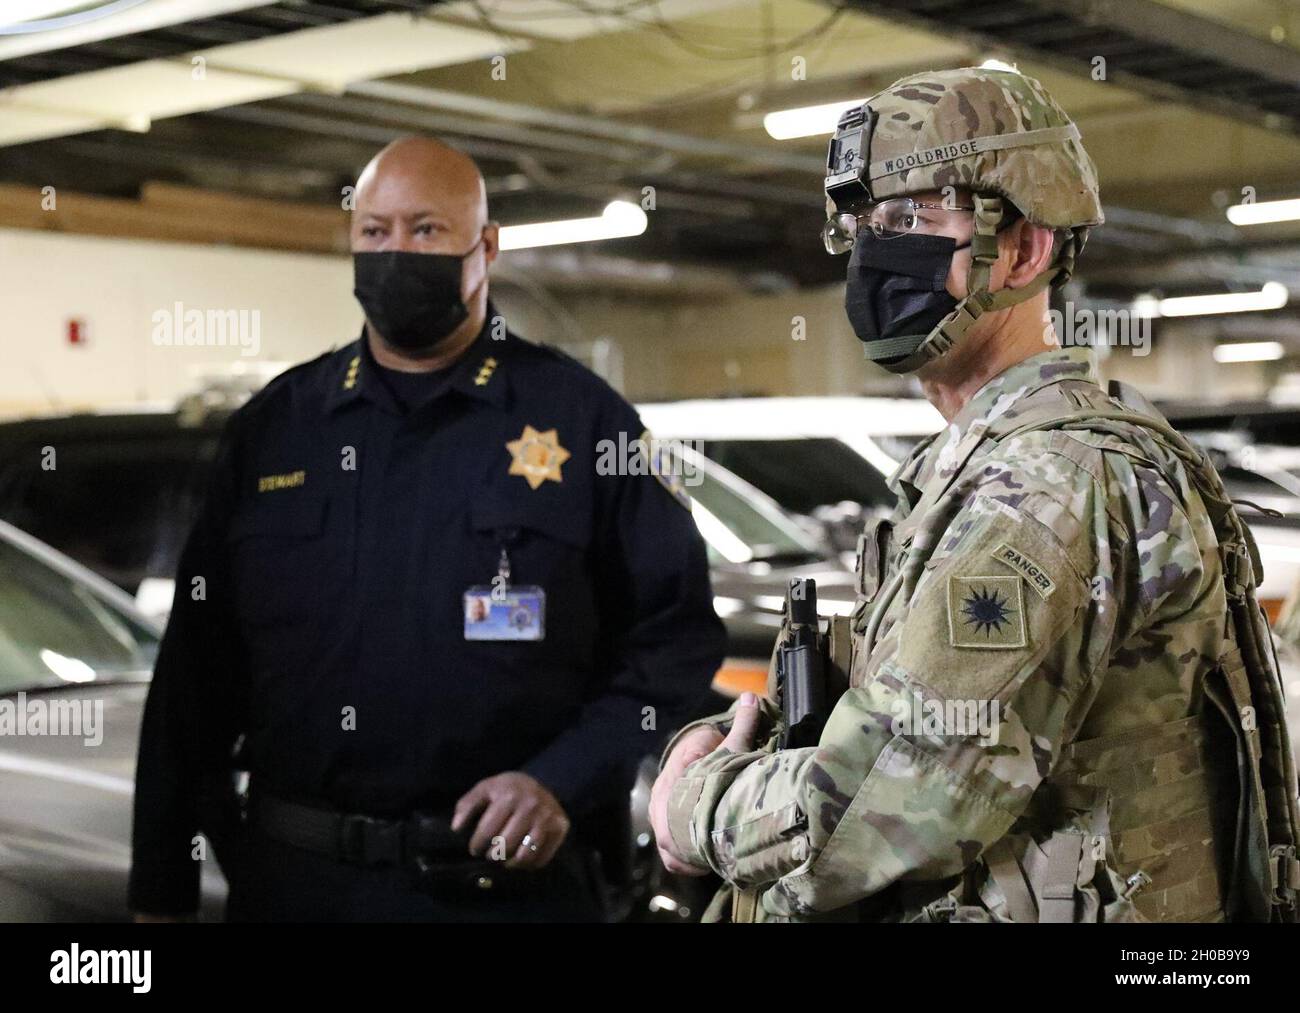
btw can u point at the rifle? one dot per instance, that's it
(802, 689)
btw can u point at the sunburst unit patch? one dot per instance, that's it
(987, 612)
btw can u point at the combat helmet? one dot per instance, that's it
(997, 133)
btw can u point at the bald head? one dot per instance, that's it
(420, 195)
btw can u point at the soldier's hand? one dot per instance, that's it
(694, 746)
(513, 806)
(744, 725)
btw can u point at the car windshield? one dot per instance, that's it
(118, 505)
(55, 631)
(740, 529)
(803, 474)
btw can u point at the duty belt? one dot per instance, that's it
(360, 839)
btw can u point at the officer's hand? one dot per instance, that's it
(694, 746)
(513, 805)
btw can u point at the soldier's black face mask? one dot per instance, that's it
(412, 299)
(895, 291)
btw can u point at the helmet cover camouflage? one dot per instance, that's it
(924, 120)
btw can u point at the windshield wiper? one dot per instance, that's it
(787, 556)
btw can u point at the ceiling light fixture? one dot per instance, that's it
(806, 121)
(619, 220)
(1272, 296)
(23, 16)
(1248, 351)
(1264, 212)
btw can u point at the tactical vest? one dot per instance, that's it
(1196, 819)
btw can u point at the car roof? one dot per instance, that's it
(113, 424)
(760, 418)
(56, 560)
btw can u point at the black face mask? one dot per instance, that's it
(412, 299)
(895, 294)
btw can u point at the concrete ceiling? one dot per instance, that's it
(669, 95)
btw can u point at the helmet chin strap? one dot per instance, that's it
(979, 300)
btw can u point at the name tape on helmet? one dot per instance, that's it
(971, 146)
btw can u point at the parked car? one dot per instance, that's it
(71, 644)
(824, 459)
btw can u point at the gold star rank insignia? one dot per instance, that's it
(537, 456)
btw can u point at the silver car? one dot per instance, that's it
(75, 659)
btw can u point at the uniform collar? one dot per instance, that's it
(480, 373)
(1000, 393)
(988, 403)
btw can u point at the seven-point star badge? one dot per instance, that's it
(986, 612)
(537, 456)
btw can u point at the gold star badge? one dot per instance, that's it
(537, 456)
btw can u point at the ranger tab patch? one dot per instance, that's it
(987, 612)
(1038, 578)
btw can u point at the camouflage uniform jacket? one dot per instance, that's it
(1067, 586)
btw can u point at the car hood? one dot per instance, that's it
(65, 828)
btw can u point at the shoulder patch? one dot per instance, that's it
(986, 612)
(667, 465)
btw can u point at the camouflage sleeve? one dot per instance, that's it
(961, 709)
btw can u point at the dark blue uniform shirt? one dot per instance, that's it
(342, 528)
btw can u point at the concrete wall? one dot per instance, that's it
(118, 286)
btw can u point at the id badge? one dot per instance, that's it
(519, 614)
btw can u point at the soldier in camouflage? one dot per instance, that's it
(1034, 622)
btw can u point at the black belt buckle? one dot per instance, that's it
(364, 840)
(430, 836)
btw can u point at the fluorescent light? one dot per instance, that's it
(992, 64)
(806, 121)
(157, 14)
(46, 15)
(1248, 351)
(1272, 296)
(619, 220)
(1263, 212)
(32, 10)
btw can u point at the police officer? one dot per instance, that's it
(1040, 631)
(439, 632)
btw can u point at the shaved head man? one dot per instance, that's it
(419, 196)
(442, 636)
